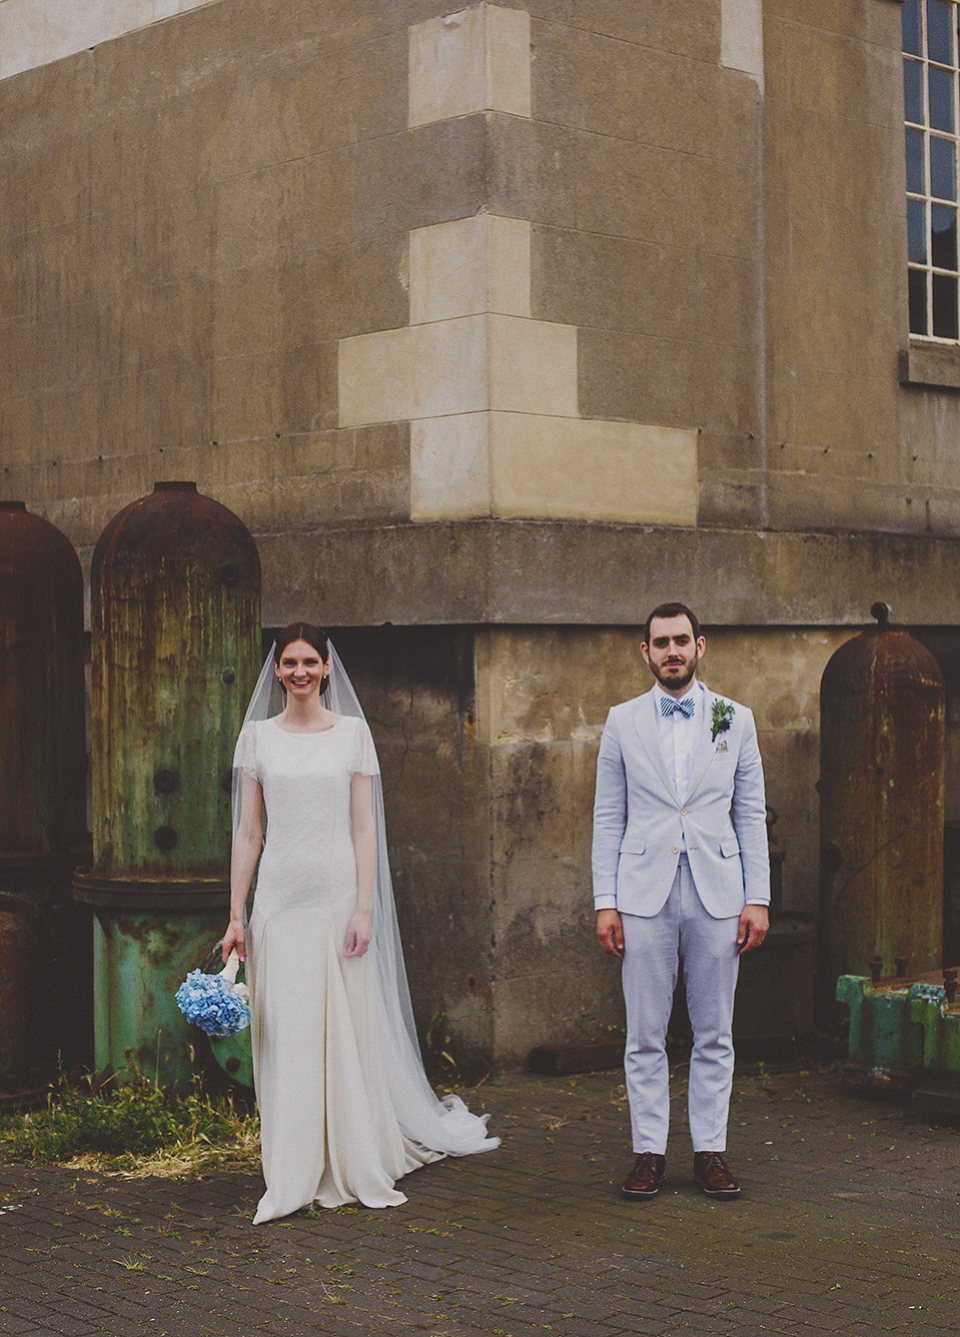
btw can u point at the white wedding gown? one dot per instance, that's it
(329, 1121)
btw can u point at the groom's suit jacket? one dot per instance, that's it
(639, 818)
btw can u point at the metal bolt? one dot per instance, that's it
(901, 964)
(876, 969)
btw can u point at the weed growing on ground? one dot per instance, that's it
(135, 1127)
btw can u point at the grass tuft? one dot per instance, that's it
(134, 1128)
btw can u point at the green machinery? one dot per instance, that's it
(905, 1036)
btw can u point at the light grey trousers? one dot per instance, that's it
(653, 948)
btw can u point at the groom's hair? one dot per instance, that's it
(671, 610)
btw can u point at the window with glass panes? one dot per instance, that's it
(930, 93)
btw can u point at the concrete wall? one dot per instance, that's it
(314, 262)
(844, 444)
(488, 740)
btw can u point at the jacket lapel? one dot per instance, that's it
(646, 724)
(706, 747)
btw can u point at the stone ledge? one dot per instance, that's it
(491, 572)
(931, 365)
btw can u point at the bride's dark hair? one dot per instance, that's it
(304, 631)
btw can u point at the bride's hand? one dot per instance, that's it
(359, 934)
(233, 938)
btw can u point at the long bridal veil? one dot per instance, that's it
(444, 1125)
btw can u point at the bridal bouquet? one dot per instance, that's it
(216, 1003)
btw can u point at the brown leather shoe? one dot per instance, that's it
(645, 1178)
(713, 1175)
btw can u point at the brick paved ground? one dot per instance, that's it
(848, 1224)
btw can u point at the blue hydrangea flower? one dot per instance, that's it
(213, 1003)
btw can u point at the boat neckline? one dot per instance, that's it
(305, 733)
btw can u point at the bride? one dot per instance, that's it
(345, 1106)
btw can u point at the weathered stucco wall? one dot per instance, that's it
(228, 252)
(488, 740)
(849, 446)
(418, 689)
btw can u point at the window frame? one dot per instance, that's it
(939, 301)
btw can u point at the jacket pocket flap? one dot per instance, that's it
(729, 847)
(634, 847)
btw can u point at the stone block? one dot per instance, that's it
(741, 37)
(422, 371)
(528, 464)
(30, 35)
(532, 366)
(469, 266)
(450, 466)
(458, 366)
(930, 364)
(477, 59)
(585, 469)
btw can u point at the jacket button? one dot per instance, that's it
(676, 849)
(683, 812)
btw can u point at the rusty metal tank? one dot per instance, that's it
(42, 744)
(881, 805)
(43, 829)
(175, 617)
(20, 974)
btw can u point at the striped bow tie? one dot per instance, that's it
(668, 705)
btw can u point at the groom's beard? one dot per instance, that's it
(676, 679)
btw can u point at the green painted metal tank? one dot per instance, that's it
(43, 827)
(175, 616)
(881, 805)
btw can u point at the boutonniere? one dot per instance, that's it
(720, 717)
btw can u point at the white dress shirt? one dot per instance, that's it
(678, 735)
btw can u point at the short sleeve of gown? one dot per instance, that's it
(245, 755)
(364, 753)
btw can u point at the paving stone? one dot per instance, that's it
(837, 1234)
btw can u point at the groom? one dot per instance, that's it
(680, 873)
